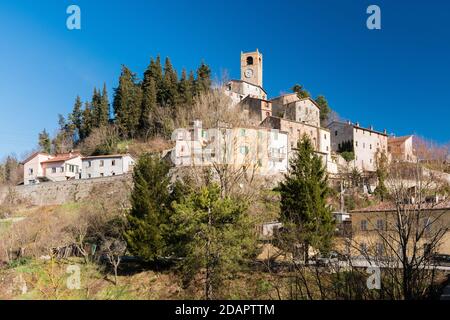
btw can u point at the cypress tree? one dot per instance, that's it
(148, 106)
(154, 70)
(170, 84)
(96, 108)
(86, 125)
(127, 103)
(76, 118)
(304, 211)
(185, 89)
(103, 117)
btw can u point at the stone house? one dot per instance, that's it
(401, 149)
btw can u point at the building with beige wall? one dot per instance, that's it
(320, 137)
(369, 223)
(263, 149)
(401, 149)
(366, 143)
(44, 167)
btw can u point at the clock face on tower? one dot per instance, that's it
(248, 73)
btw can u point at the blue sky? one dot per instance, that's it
(396, 78)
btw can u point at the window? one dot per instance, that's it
(379, 249)
(30, 171)
(336, 133)
(242, 133)
(54, 170)
(243, 150)
(113, 173)
(102, 163)
(325, 136)
(113, 162)
(204, 134)
(364, 145)
(328, 149)
(249, 61)
(363, 225)
(89, 175)
(380, 224)
(61, 169)
(356, 143)
(102, 174)
(275, 135)
(89, 164)
(371, 147)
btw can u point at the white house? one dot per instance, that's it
(44, 167)
(107, 165)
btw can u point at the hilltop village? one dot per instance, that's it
(281, 120)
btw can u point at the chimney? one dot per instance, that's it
(385, 131)
(371, 127)
(357, 123)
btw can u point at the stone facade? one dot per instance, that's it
(56, 193)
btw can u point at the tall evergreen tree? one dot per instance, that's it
(86, 124)
(192, 83)
(45, 142)
(185, 89)
(96, 108)
(76, 118)
(154, 70)
(304, 211)
(103, 115)
(203, 78)
(148, 220)
(127, 103)
(149, 105)
(170, 84)
(214, 234)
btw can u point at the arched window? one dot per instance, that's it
(249, 61)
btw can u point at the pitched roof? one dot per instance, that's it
(109, 156)
(252, 84)
(390, 206)
(399, 139)
(63, 157)
(33, 155)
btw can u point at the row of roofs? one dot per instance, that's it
(41, 166)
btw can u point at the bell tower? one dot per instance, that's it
(252, 67)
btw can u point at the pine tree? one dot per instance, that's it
(44, 141)
(300, 91)
(148, 220)
(185, 89)
(203, 83)
(127, 103)
(304, 211)
(324, 110)
(212, 233)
